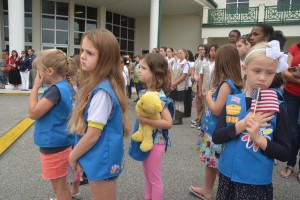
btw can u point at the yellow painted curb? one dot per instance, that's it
(16, 94)
(13, 134)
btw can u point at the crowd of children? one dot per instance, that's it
(237, 144)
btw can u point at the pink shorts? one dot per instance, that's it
(55, 165)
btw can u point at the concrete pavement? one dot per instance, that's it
(20, 170)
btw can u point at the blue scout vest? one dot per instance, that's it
(242, 160)
(134, 149)
(105, 159)
(209, 121)
(51, 130)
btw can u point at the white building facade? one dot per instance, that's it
(139, 25)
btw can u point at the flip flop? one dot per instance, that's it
(286, 169)
(197, 194)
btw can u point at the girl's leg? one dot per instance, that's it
(61, 188)
(207, 190)
(148, 188)
(200, 108)
(153, 167)
(104, 189)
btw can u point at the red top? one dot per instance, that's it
(294, 88)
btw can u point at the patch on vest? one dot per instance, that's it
(232, 119)
(115, 169)
(250, 144)
(233, 109)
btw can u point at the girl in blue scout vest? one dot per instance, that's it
(252, 141)
(100, 115)
(226, 78)
(52, 113)
(153, 73)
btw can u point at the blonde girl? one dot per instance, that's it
(252, 140)
(96, 118)
(226, 79)
(52, 113)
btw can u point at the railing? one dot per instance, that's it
(282, 14)
(233, 16)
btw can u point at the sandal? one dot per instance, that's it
(198, 194)
(287, 171)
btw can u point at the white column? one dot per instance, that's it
(261, 12)
(71, 27)
(2, 46)
(154, 23)
(205, 15)
(36, 25)
(101, 17)
(16, 25)
(205, 40)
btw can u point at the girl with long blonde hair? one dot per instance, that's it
(100, 108)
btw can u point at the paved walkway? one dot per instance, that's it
(20, 172)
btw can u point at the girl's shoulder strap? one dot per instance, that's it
(233, 87)
(169, 104)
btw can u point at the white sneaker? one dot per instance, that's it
(76, 196)
(193, 121)
(198, 127)
(194, 125)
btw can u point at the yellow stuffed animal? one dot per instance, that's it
(148, 106)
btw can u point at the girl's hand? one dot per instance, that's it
(209, 93)
(142, 120)
(196, 78)
(73, 163)
(173, 85)
(254, 123)
(39, 79)
(296, 73)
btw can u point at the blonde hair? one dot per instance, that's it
(58, 61)
(184, 51)
(257, 50)
(108, 67)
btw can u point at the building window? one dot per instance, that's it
(85, 18)
(123, 28)
(286, 5)
(27, 23)
(55, 25)
(237, 6)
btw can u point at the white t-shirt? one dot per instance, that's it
(100, 107)
(125, 78)
(203, 65)
(189, 83)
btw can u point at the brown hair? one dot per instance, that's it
(159, 67)
(227, 65)
(108, 67)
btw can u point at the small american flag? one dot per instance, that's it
(267, 100)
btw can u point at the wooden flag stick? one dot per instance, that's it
(257, 97)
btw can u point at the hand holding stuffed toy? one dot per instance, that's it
(148, 106)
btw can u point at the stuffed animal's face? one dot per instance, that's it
(150, 103)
